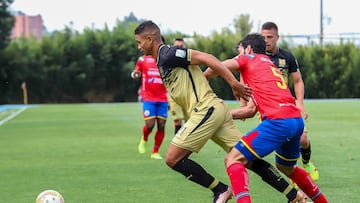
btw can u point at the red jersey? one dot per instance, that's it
(271, 94)
(152, 88)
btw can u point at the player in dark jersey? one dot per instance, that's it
(288, 65)
(208, 115)
(281, 126)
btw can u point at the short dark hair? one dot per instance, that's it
(256, 41)
(269, 25)
(179, 39)
(147, 26)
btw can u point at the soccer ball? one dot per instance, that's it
(49, 196)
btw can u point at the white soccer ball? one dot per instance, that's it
(49, 196)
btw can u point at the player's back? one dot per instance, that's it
(270, 91)
(186, 83)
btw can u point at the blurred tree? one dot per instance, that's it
(6, 22)
(242, 25)
(6, 25)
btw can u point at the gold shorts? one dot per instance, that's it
(215, 123)
(176, 111)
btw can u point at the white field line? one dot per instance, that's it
(12, 116)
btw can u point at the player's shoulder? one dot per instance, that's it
(285, 53)
(167, 51)
(171, 55)
(141, 58)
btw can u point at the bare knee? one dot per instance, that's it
(234, 156)
(175, 154)
(161, 124)
(170, 162)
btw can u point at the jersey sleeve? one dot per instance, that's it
(138, 64)
(178, 57)
(293, 64)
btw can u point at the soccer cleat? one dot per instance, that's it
(142, 146)
(312, 170)
(223, 197)
(156, 156)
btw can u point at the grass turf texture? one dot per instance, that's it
(88, 152)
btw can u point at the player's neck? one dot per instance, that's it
(274, 51)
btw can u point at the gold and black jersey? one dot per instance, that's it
(185, 83)
(285, 61)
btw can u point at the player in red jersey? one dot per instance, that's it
(281, 126)
(288, 65)
(155, 104)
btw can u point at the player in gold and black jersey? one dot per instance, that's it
(207, 116)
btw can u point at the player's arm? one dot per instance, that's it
(244, 112)
(202, 58)
(243, 103)
(299, 90)
(231, 64)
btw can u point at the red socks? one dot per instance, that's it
(307, 185)
(159, 137)
(239, 181)
(146, 133)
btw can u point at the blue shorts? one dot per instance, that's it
(155, 110)
(281, 136)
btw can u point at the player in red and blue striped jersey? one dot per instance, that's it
(155, 103)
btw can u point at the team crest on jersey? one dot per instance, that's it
(180, 53)
(282, 62)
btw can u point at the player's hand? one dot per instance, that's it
(304, 113)
(135, 74)
(241, 91)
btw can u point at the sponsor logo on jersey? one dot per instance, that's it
(180, 53)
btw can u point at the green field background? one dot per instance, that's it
(88, 152)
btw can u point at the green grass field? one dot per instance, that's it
(88, 152)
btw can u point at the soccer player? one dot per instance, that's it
(176, 111)
(281, 127)
(155, 104)
(288, 65)
(179, 42)
(209, 117)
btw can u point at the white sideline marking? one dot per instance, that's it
(12, 116)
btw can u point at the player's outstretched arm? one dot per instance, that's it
(202, 58)
(244, 112)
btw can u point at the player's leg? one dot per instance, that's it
(229, 135)
(304, 182)
(149, 118)
(252, 147)
(286, 157)
(306, 156)
(161, 116)
(177, 125)
(235, 167)
(177, 115)
(271, 176)
(191, 138)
